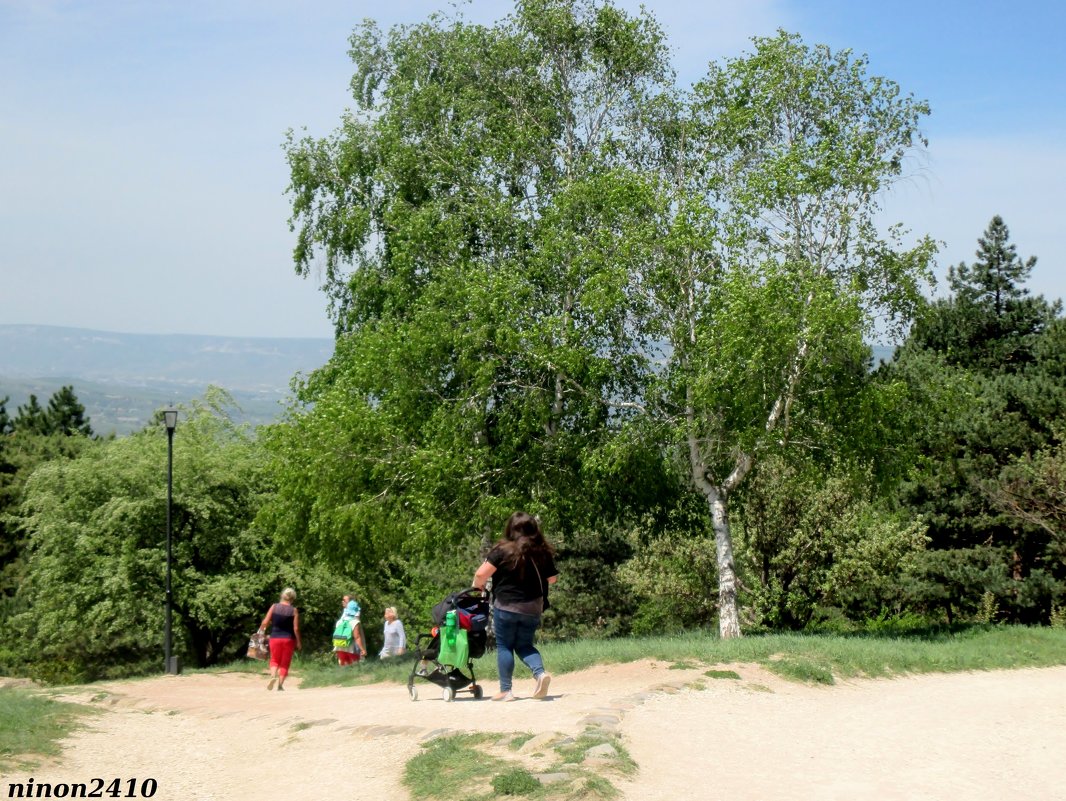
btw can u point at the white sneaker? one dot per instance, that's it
(543, 680)
(507, 696)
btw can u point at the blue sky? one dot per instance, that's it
(142, 178)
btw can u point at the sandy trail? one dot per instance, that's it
(976, 736)
(960, 736)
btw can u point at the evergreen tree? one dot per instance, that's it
(5, 418)
(990, 322)
(32, 418)
(66, 414)
(992, 353)
(995, 279)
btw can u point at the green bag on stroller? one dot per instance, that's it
(454, 651)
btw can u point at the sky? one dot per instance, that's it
(142, 180)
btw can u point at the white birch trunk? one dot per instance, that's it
(717, 498)
(728, 611)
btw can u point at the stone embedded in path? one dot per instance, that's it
(669, 689)
(390, 731)
(539, 742)
(614, 711)
(606, 721)
(434, 733)
(551, 778)
(601, 751)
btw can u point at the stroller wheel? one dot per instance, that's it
(449, 694)
(477, 691)
(413, 691)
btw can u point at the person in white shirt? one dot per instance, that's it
(395, 638)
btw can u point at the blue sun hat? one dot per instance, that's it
(352, 609)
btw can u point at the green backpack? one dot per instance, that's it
(343, 634)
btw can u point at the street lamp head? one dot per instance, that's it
(170, 419)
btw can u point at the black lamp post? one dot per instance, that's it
(170, 419)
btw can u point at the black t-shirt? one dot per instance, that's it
(521, 584)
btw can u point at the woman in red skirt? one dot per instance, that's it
(284, 621)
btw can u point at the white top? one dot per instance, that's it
(395, 638)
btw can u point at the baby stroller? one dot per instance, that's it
(459, 635)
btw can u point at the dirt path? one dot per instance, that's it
(965, 736)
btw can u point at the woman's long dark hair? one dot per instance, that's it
(522, 539)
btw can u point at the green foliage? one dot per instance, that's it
(769, 182)
(32, 418)
(479, 215)
(92, 598)
(671, 576)
(66, 414)
(1058, 617)
(21, 452)
(989, 323)
(813, 536)
(984, 368)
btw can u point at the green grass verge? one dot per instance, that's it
(816, 658)
(811, 656)
(31, 726)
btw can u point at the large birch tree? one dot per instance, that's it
(772, 270)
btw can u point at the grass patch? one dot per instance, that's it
(31, 726)
(519, 740)
(683, 665)
(801, 669)
(452, 767)
(599, 787)
(482, 767)
(574, 753)
(721, 674)
(515, 781)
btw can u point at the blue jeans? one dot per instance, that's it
(514, 635)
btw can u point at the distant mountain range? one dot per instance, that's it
(123, 378)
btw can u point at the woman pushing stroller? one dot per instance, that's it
(521, 566)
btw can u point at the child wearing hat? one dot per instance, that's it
(353, 652)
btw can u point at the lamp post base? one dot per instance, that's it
(174, 666)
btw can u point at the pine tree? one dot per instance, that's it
(5, 418)
(990, 323)
(66, 414)
(33, 418)
(995, 280)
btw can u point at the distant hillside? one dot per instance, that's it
(123, 378)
